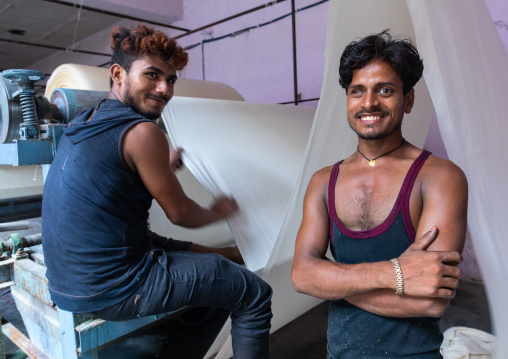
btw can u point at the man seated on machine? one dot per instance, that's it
(112, 160)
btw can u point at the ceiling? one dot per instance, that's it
(31, 30)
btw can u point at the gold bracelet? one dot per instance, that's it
(398, 273)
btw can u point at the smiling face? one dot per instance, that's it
(375, 101)
(147, 87)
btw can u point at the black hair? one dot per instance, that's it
(400, 54)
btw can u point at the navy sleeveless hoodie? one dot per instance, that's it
(353, 332)
(95, 213)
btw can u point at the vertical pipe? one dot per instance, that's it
(295, 72)
(203, 58)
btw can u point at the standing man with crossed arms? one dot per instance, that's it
(394, 216)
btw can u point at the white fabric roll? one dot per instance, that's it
(20, 181)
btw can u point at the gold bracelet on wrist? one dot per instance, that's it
(398, 273)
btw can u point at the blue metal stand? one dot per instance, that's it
(55, 333)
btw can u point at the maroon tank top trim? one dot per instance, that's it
(401, 203)
(411, 177)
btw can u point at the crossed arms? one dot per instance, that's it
(429, 266)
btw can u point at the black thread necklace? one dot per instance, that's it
(372, 162)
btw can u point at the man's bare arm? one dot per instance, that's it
(444, 193)
(146, 151)
(313, 274)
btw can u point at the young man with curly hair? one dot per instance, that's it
(111, 162)
(393, 215)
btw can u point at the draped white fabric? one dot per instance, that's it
(253, 152)
(250, 151)
(466, 67)
(467, 343)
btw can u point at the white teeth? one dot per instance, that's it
(370, 118)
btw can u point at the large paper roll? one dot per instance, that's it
(83, 77)
(79, 77)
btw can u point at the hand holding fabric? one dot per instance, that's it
(175, 158)
(224, 207)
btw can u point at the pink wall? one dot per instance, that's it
(259, 63)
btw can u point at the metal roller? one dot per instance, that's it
(70, 102)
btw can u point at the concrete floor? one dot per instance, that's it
(189, 335)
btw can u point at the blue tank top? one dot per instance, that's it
(353, 332)
(94, 213)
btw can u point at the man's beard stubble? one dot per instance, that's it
(373, 136)
(129, 101)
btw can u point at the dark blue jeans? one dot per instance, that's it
(186, 279)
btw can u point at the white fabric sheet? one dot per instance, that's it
(250, 151)
(466, 69)
(467, 343)
(253, 152)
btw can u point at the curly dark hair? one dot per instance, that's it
(400, 54)
(129, 44)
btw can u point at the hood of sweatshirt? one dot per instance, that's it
(87, 124)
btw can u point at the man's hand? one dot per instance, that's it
(175, 158)
(427, 273)
(224, 207)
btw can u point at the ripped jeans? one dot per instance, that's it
(180, 279)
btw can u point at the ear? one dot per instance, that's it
(117, 73)
(409, 100)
